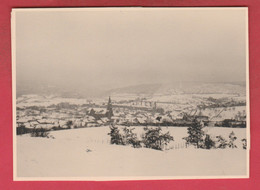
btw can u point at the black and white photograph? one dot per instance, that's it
(130, 93)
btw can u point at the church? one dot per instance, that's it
(99, 113)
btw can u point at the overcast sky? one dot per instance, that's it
(121, 47)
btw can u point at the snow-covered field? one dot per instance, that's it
(87, 153)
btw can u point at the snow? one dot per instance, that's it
(86, 152)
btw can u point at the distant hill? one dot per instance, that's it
(141, 89)
(62, 91)
(137, 89)
(183, 88)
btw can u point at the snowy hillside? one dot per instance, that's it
(87, 153)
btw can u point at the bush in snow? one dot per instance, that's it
(232, 138)
(129, 137)
(56, 128)
(116, 137)
(136, 143)
(69, 124)
(244, 141)
(22, 130)
(196, 134)
(155, 139)
(126, 137)
(222, 143)
(40, 132)
(208, 142)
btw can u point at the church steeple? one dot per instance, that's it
(109, 101)
(109, 109)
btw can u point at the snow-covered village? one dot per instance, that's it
(130, 93)
(222, 112)
(179, 124)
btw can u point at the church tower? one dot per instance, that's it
(109, 113)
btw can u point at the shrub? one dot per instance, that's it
(21, 130)
(130, 138)
(40, 132)
(55, 128)
(128, 135)
(69, 124)
(155, 139)
(244, 141)
(116, 137)
(208, 142)
(136, 143)
(222, 143)
(196, 134)
(232, 139)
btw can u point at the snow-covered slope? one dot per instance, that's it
(87, 153)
